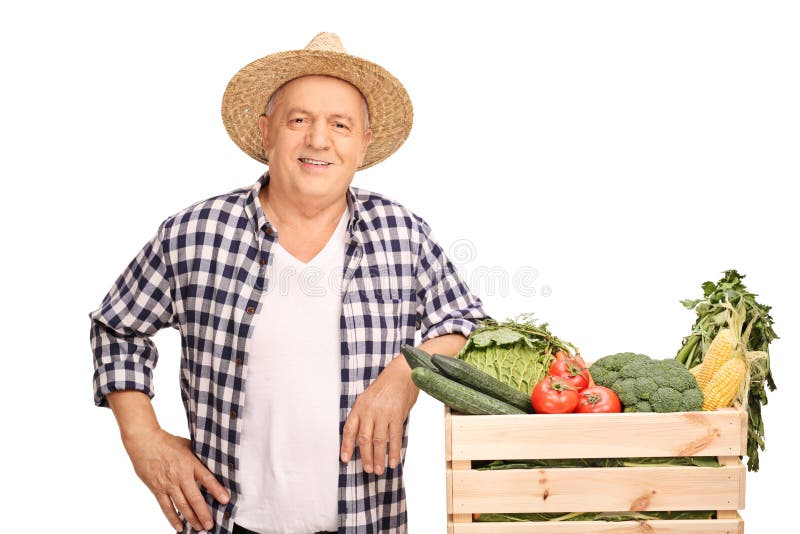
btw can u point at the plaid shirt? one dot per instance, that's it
(203, 274)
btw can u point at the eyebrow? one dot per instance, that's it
(343, 117)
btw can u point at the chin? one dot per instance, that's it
(321, 187)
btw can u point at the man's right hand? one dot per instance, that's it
(165, 463)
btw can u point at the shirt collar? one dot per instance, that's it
(259, 218)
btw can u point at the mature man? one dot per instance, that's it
(293, 298)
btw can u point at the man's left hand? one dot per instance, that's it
(377, 418)
(379, 412)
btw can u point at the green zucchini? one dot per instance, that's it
(418, 358)
(469, 375)
(458, 396)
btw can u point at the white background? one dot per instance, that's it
(626, 151)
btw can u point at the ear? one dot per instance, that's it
(364, 144)
(263, 125)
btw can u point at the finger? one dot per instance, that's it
(169, 511)
(395, 443)
(198, 504)
(379, 439)
(349, 436)
(365, 444)
(207, 479)
(180, 502)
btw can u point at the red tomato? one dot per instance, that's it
(562, 354)
(598, 399)
(553, 395)
(572, 371)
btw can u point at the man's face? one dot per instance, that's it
(314, 137)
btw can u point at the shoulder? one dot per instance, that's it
(226, 209)
(379, 212)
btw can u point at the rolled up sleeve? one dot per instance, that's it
(138, 305)
(445, 303)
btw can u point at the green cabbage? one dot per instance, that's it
(516, 353)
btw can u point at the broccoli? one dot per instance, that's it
(605, 371)
(647, 385)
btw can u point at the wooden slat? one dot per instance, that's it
(731, 515)
(732, 525)
(448, 435)
(735, 463)
(743, 432)
(597, 489)
(456, 467)
(493, 437)
(460, 465)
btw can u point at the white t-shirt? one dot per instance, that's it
(289, 465)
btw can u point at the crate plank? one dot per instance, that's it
(722, 433)
(734, 461)
(598, 489)
(458, 466)
(733, 525)
(493, 437)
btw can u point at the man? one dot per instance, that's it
(282, 374)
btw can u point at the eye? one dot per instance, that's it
(340, 125)
(296, 122)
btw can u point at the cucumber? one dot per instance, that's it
(458, 396)
(418, 358)
(469, 375)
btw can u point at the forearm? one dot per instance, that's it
(134, 413)
(448, 344)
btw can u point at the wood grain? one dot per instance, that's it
(733, 525)
(492, 437)
(598, 489)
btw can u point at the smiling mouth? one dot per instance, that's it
(316, 162)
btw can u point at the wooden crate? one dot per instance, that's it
(666, 488)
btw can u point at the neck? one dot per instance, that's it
(288, 212)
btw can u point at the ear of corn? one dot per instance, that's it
(719, 352)
(696, 371)
(724, 385)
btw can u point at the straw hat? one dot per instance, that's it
(390, 112)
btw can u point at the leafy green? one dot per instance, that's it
(519, 518)
(712, 315)
(516, 352)
(596, 516)
(696, 461)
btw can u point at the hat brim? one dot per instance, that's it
(248, 92)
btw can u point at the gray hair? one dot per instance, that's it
(271, 104)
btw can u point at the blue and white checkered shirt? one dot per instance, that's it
(203, 274)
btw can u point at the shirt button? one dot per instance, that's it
(231, 465)
(250, 310)
(262, 261)
(238, 361)
(233, 414)
(270, 231)
(226, 515)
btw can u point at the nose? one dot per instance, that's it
(318, 136)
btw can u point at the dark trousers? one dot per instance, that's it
(241, 530)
